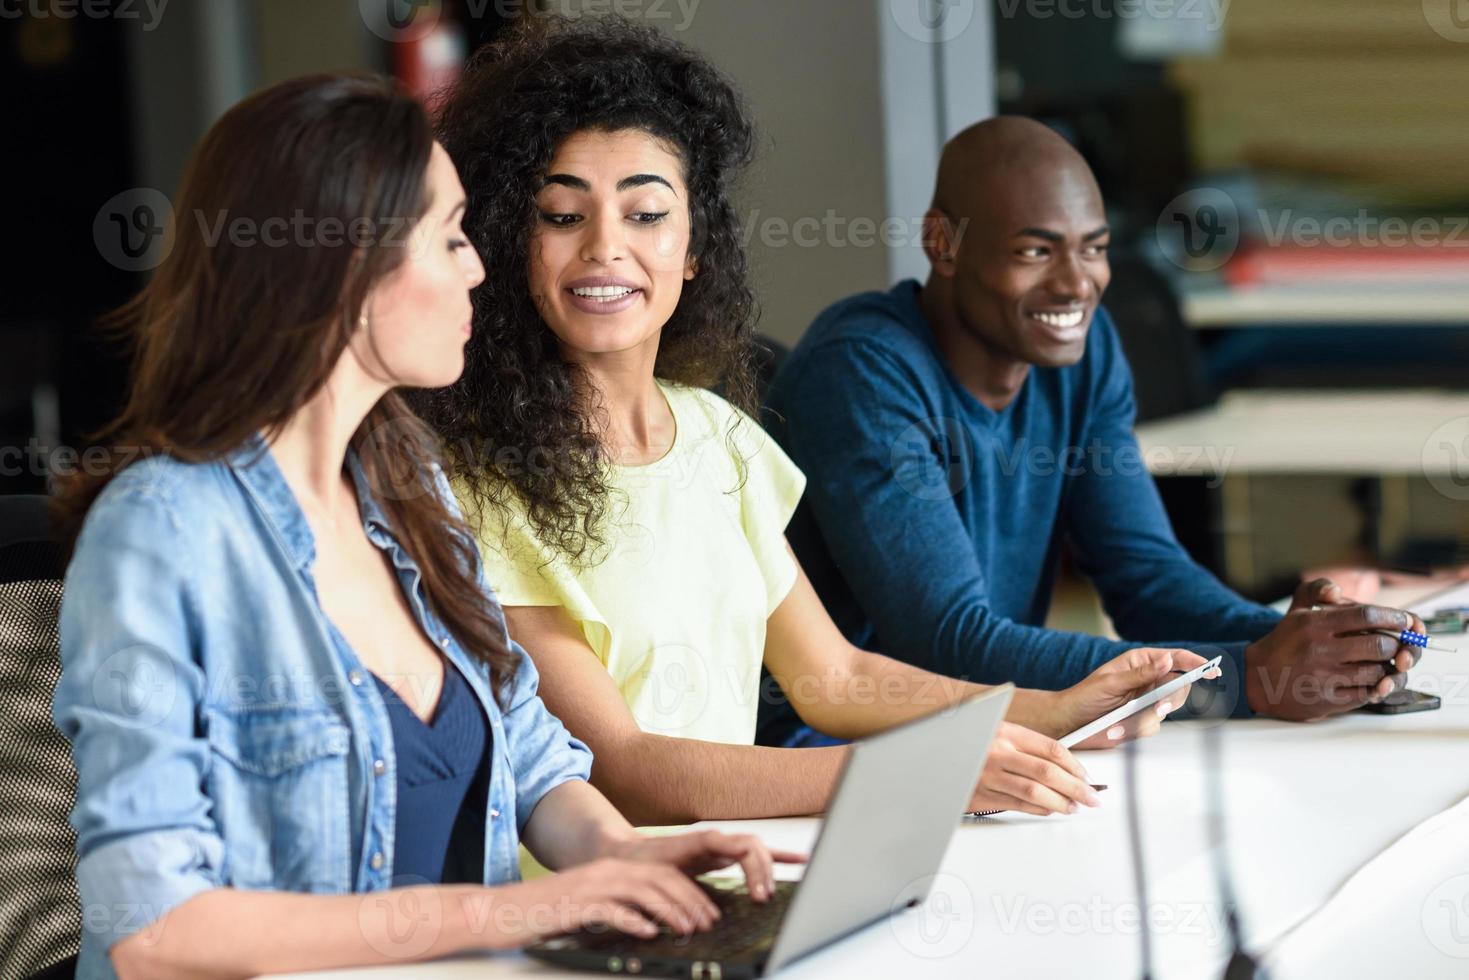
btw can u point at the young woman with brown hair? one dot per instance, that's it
(285, 680)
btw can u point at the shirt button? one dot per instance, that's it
(377, 861)
(355, 677)
(494, 813)
(379, 767)
(444, 642)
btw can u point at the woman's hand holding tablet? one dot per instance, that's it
(1120, 704)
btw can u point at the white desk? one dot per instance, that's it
(1333, 304)
(1308, 807)
(1373, 433)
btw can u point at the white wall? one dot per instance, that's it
(853, 100)
(809, 70)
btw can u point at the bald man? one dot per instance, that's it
(954, 434)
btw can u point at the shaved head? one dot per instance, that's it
(1017, 237)
(1000, 157)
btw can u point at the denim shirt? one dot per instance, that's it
(224, 733)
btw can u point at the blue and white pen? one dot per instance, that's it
(1408, 638)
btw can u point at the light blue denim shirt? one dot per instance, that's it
(224, 733)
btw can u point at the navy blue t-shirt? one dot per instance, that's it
(931, 524)
(443, 781)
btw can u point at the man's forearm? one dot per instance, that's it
(657, 780)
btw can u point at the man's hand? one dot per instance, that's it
(1348, 584)
(1322, 659)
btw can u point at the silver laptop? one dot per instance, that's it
(865, 865)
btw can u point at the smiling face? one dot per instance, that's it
(419, 314)
(1028, 275)
(610, 249)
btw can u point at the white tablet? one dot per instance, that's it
(1137, 704)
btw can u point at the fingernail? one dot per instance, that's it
(1072, 807)
(1092, 799)
(1115, 732)
(1163, 708)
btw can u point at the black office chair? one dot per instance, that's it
(40, 913)
(1167, 365)
(769, 355)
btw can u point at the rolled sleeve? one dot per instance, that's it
(130, 883)
(542, 752)
(127, 701)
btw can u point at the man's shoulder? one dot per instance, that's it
(881, 319)
(860, 331)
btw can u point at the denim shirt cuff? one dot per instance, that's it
(128, 884)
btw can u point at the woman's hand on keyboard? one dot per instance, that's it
(710, 850)
(627, 894)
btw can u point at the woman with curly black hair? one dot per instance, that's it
(631, 520)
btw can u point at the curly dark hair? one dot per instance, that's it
(520, 424)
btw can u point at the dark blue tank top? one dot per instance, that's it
(443, 782)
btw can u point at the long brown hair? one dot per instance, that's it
(234, 333)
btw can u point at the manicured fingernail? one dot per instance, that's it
(1115, 732)
(1163, 708)
(1092, 799)
(1072, 807)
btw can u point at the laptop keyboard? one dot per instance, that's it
(745, 927)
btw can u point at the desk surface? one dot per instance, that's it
(1422, 433)
(1309, 807)
(1332, 304)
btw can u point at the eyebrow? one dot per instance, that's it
(1055, 236)
(625, 184)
